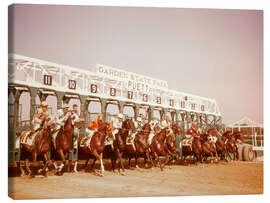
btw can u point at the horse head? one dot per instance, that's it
(146, 128)
(176, 129)
(171, 143)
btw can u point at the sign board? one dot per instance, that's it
(106, 82)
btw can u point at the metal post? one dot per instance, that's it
(14, 154)
(33, 93)
(84, 110)
(104, 108)
(60, 98)
(121, 106)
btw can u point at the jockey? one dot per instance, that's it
(138, 125)
(166, 123)
(39, 117)
(152, 132)
(91, 128)
(192, 132)
(117, 124)
(61, 117)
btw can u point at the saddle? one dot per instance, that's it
(26, 139)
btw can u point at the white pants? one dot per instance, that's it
(151, 135)
(76, 134)
(89, 133)
(115, 132)
(36, 126)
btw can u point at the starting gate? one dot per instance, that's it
(106, 85)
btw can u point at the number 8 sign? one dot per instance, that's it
(112, 91)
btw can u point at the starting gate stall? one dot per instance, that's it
(107, 85)
(253, 138)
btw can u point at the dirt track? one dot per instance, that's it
(201, 179)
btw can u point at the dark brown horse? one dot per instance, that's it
(64, 142)
(142, 146)
(170, 143)
(158, 147)
(40, 146)
(195, 148)
(96, 146)
(220, 143)
(208, 148)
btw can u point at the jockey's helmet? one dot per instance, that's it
(167, 118)
(193, 125)
(139, 119)
(44, 104)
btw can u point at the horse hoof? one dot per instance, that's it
(122, 173)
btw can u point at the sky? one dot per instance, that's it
(213, 53)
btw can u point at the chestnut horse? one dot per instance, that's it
(64, 142)
(221, 142)
(96, 146)
(158, 147)
(40, 146)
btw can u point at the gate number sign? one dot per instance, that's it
(93, 88)
(182, 104)
(159, 100)
(112, 92)
(145, 97)
(130, 95)
(72, 84)
(202, 107)
(171, 102)
(47, 80)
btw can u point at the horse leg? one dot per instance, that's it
(121, 165)
(21, 168)
(158, 161)
(136, 160)
(113, 160)
(149, 157)
(93, 164)
(75, 167)
(27, 164)
(59, 170)
(99, 157)
(45, 169)
(86, 163)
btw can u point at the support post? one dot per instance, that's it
(104, 108)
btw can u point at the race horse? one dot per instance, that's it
(95, 146)
(221, 143)
(140, 147)
(208, 148)
(64, 142)
(159, 146)
(193, 147)
(170, 143)
(36, 145)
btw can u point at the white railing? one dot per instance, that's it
(42, 74)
